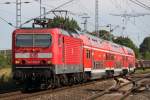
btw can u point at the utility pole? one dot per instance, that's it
(18, 13)
(125, 16)
(40, 8)
(110, 26)
(85, 22)
(96, 18)
(44, 12)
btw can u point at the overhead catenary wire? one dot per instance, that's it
(141, 5)
(139, 28)
(18, 11)
(48, 12)
(47, 5)
(10, 24)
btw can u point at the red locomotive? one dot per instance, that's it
(53, 56)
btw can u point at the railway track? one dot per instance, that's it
(136, 86)
(114, 88)
(135, 79)
(4, 95)
(18, 95)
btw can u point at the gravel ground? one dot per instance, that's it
(116, 96)
(79, 93)
(145, 95)
(83, 92)
(141, 94)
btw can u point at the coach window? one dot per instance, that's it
(126, 58)
(108, 56)
(88, 54)
(112, 57)
(123, 58)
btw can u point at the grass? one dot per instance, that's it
(142, 71)
(5, 74)
(6, 81)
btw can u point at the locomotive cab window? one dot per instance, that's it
(33, 40)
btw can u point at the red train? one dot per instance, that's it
(53, 56)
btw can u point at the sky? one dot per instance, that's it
(135, 28)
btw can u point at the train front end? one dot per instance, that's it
(32, 55)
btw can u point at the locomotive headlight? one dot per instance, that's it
(49, 62)
(17, 62)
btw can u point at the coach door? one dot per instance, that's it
(87, 59)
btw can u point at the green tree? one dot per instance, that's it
(128, 43)
(106, 35)
(145, 48)
(146, 55)
(103, 34)
(65, 23)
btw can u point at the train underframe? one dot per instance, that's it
(44, 78)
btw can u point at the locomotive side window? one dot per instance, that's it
(36, 40)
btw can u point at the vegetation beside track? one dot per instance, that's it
(5, 74)
(142, 70)
(6, 82)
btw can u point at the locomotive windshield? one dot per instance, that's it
(33, 40)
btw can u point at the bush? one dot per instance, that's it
(146, 55)
(5, 61)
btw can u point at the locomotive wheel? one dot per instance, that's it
(64, 80)
(77, 78)
(81, 78)
(56, 82)
(86, 77)
(70, 81)
(25, 87)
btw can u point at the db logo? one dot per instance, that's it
(33, 55)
